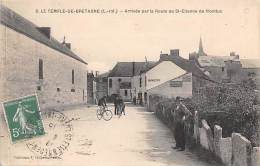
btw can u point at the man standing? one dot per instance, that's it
(116, 104)
(179, 116)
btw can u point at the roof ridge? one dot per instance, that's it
(22, 25)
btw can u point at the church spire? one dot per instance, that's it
(201, 51)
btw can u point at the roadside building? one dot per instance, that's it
(214, 65)
(90, 88)
(100, 86)
(241, 70)
(171, 76)
(32, 61)
(119, 79)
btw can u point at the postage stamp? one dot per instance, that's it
(23, 118)
(58, 137)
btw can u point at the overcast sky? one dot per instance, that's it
(103, 40)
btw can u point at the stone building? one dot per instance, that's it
(214, 65)
(119, 79)
(100, 86)
(33, 62)
(90, 88)
(171, 76)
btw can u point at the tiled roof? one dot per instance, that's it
(125, 69)
(214, 61)
(250, 63)
(185, 64)
(18, 23)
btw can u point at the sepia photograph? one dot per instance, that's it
(130, 83)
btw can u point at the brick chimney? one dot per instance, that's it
(133, 63)
(174, 52)
(45, 31)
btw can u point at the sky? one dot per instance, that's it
(105, 39)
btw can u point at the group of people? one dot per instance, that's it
(118, 104)
(180, 115)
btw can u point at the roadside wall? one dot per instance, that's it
(232, 151)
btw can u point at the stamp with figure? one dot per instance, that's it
(58, 137)
(23, 118)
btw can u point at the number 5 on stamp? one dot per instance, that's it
(23, 118)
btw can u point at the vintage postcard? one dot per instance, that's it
(130, 83)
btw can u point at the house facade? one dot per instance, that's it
(100, 86)
(171, 76)
(33, 62)
(120, 79)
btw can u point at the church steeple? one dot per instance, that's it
(201, 51)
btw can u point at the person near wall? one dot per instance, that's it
(180, 114)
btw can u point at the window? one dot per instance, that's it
(40, 69)
(222, 69)
(72, 90)
(140, 81)
(72, 76)
(125, 92)
(58, 89)
(39, 88)
(110, 83)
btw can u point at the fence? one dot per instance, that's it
(232, 151)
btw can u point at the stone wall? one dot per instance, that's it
(232, 151)
(19, 57)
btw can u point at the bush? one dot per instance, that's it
(231, 107)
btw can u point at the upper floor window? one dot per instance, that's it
(72, 76)
(140, 81)
(40, 69)
(110, 83)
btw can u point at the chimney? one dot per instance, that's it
(45, 31)
(97, 73)
(68, 45)
(233, 54)
(133, 63)
(174, 52)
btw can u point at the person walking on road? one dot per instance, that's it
(180, 115)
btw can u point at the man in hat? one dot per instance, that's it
(179, 115)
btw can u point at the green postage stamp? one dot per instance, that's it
(23, 118)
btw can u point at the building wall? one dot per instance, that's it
(20, 72)
(90, 90)
(100, 87)
(136, 88)
(115, 89)
(163, 72)
(171, 89)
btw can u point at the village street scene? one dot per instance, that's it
(78, 87)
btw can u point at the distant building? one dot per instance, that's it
(242, 70)
(172, 76)
(33, 62)
(100, 86)
(214, 65)
(119, 79)
(90, 88)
